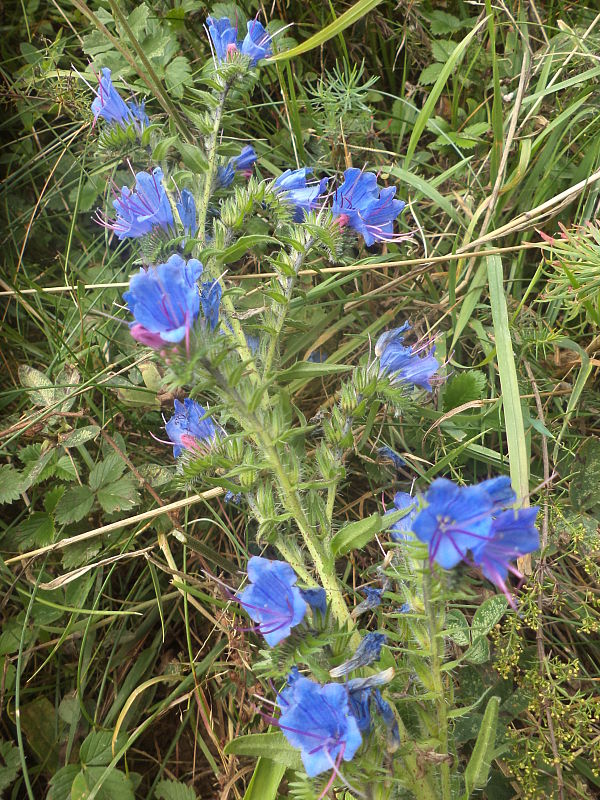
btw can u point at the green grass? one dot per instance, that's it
(477, 127)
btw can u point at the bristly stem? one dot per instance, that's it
(435, 614)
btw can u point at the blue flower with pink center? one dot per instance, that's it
(362, 205)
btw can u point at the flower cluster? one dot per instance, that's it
(224, 36)
(458, 520)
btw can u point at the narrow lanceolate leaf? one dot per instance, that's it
(265, 780)
(340, 24)
(478, 768)
(511, 399)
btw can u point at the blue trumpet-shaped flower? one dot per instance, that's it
(513, 535)
(186, 208)
(257, 42)
(500, 491)
(109, 104)
(360, 203)
(455, 520)
(318, 721)
(164, 301)
(189, 428)
(292, 185)
(404, 364)
(272, 599)
(223, 36)
(145, 208)
(316, 599)
(400, 530)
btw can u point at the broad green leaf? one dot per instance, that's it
(78, 436)
(478, 768)
(44, 393)
(488, 614)
(479, 652)
(116, 785)
(355, 535)
(36, 530)
(121, 495)
(39, 726)
(107, 471)
(11, 484)
(75, 504)
(10, 764)
(174, 790)
(463, 388)
(346, 19)
(194, 158)
(265, 780)
(96, 749)
(239, 248)
(457, 628)
(270, 745)
(62, 781)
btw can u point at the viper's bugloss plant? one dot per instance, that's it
(366, 693)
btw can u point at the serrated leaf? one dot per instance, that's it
(138, 18)
(107, 471)
(37, 530)
(78, 436)
(355, 535)
(270, 745)
(488, 614)
(44, 393)
(174, 790)
(62, 781)
(74, 505)
(96, 748)
(120, 495)
(178, 74)
(463, 388)
(11, 484)
(10, 764)
(156, 474)
(116, 785)
(80, 553)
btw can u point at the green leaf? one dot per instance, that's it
(270, 745)
(107, 471)
(37, 530)
(120, 495)
(11, 484)
(429, 106)
(308, 370)
(355, 535)
(479, 652)
(116, 785)
(174, 790)
(265, 780)
(478, 768)
(178, 74)
(194, 158)
(511, 399)
(62, 781)
(340, 24)
(161, 149)
(489, 613)
(10, 764)
(44, 393)
(39, 726)
(75, 504)
(78, 436)
(239, 248)
(457, 628)
(463, 388)
(96, 749)
(584, 491)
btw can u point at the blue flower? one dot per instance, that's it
(455, 519)
(367, 652)
(257, 42)
(109, 104)
(272, 599)
(392, 455)
(316, 599)
(500, 491)
(318, 721)
(186, 208)
(145, 208)
(164, 301)
(292, 185)
(223, 36)
(189, 428)
(404, 364)
(139, 116)
(317, 356)
(513, 535)
(360, 693)
(210, 300)
(372, 600)
(400, 530)
(360, 203)
(389, 718)
(242, 163)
